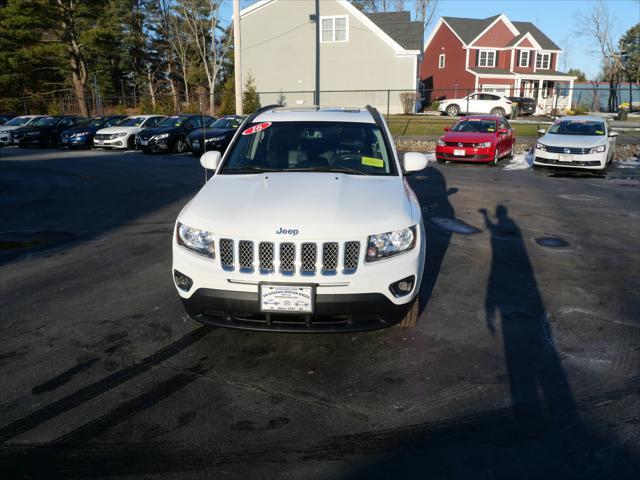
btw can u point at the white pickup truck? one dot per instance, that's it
(307, 225)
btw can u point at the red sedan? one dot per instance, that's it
(478, 138)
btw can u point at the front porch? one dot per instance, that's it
(553, 96)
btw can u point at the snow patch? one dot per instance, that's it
(522, 161)
(628, 163)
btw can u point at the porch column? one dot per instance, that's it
(538, 100)
(570, 96)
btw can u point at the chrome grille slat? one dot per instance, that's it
(265, 257)
(351, 256)
(308, 258)
(330, 258)
(245, 256)
(572, 150)
(287, 258)
(226, 254)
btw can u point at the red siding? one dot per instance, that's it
(525, 44)
(503, 60)
(516, 62)
(453, 80)
(498, 35)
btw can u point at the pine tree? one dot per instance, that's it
(251, 99)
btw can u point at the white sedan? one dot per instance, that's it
(14, 123)
(478, 103)
(123, 135)
(576, 142)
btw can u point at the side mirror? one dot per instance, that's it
(613, 134)
(446, 129)
(542, 131)
(210, 160)
(414, 161)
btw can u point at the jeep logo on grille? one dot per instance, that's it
(287, 231)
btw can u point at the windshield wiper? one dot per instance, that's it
(249, 169)
(352, 171)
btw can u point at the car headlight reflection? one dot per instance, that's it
(441, 142)
(80, 134)
(598, 149)
(161, 136)
(215, 139)
(384, 245)
(196, 240)
(541, 146)
(118, 135)
(483, 145)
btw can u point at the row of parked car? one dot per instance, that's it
(149, 133)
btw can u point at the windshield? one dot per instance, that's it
(475, 125)
(45, 121)
(226, 123)
(354, 148)
(172, 122)
(577, 127)
(17, 122)
(132, 122)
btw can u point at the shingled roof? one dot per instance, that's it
(469, 28)
(398, 25)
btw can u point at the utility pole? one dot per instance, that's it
(237, 58)
(317, 19)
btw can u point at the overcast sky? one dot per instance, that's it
(556, 18)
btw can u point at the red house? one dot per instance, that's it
(494, 54)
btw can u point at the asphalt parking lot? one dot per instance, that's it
(523, 364)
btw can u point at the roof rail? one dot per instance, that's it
(251, 117)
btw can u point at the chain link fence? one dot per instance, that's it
(551, 98)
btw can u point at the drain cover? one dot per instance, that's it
(454, 225)
(553, 242)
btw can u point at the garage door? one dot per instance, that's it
(499, 89)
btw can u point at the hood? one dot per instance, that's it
(469, 137)
(8, 128)
(150, 132)
(319, 205)
(117, 129)
(584, 141)
(212, 132)
(86, 128)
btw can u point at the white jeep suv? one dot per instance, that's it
(478, 103)
(308, 224)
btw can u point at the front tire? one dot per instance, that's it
(497, 111)
(452, 110)
(411, 317)
(512, 153)
(180, 146)
(496, 158)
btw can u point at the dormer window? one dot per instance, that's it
(487, 58)
(543, 61)
(524, 58)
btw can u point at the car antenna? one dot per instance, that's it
(204, 139)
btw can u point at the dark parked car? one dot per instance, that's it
(82, 135)
(526, 106)
(217, 136)
(5, 118)
(45, 131)
(171, 134)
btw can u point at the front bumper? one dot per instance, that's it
(85, 141)
(152, 145)
(447, 153)
(591, 161)
(5, 139)
(333, 313)
(119, 142)
(198, 150)
(28, 141)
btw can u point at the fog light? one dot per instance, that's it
(402, 287)
(182, 281)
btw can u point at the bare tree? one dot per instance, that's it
(597, 24)
(179, 41)
(151, 73)
(425, 11)
(201, 18)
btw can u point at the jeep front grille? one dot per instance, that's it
(287, 258)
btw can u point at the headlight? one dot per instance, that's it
(598, 149)
(215, 139)
(81, 134)
(441, 143)
(483, 145)
(388, 244)
(118, 135)
(541, 146)
(161, 136)
(198, 241)
(4, 132)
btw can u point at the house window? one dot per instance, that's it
(487, 58)
(335, 29)
(543, 60)
(524, 58)
(441, 61)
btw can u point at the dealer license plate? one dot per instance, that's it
(144, 142)
(196, 144)
(565, 158)
(459, 153)
(286, 298)
(98, 142)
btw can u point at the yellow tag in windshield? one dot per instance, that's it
(491, 129)
(373, 162)
(599, 132)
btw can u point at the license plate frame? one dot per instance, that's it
(144, 142)
(459, 152)
(276, 302)
(565, 157)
